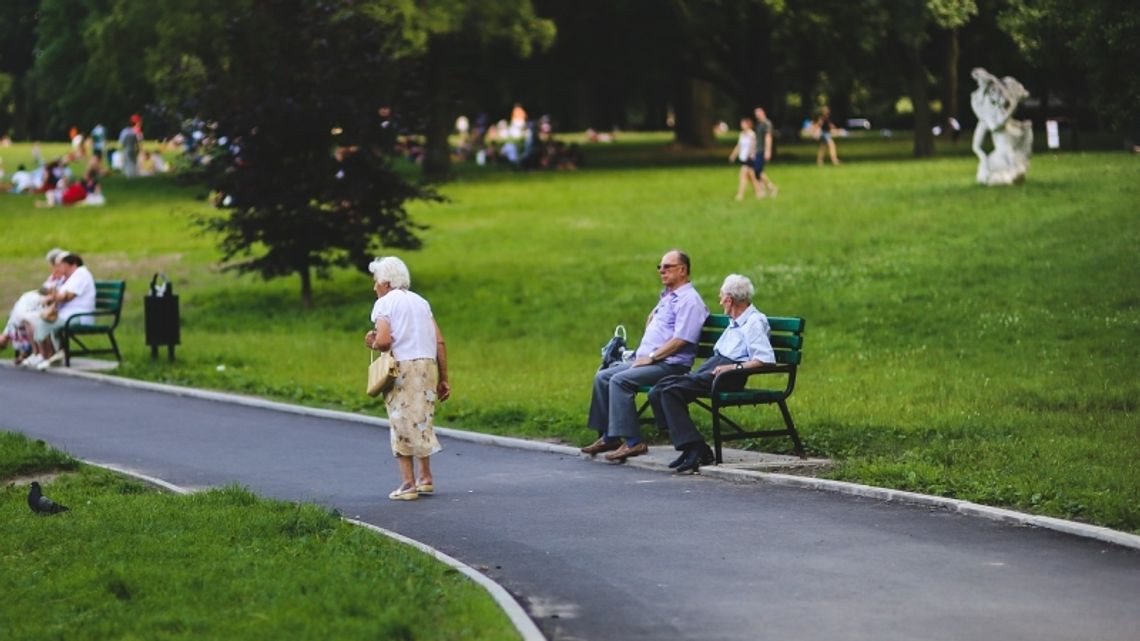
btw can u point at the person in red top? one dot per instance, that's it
(73, 192)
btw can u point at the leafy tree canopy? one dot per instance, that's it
(292, 89)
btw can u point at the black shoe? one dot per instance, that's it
(706, 454)
(680, 459)
(691, 463)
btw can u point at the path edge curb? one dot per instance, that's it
(526, 627)
(966, 508)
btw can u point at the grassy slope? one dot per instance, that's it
(971, 342)
(127, 562)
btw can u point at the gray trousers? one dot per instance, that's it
(613, 411)
(671, 396)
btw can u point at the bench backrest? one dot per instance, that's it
(786, 336)
(109, 295)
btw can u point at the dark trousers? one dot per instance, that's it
(613, 411)
(671, 396)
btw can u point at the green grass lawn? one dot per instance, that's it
(962, 341)
(130, 563)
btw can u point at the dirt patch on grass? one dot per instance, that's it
(17, 278)
(44, 478)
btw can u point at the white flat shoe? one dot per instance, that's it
(404, 494)
(48, 362)
(426, 488)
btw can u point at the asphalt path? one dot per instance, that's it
(609, 552)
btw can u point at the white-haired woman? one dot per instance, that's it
(405, 325)
(28, 307)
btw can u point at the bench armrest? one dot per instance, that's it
(98, 312)
(735, 379)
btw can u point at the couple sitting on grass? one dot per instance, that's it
(38, 315)
(663, 360)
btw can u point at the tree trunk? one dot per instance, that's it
(839, 102)
(306, 287)
(923, 136)
(692, 103)
(21, 113)
(437, 149)
(950, 99)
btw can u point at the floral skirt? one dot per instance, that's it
(411, 408)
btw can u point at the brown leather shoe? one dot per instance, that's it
(625, 452)
(601, 445)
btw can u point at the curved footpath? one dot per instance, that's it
(599, 551)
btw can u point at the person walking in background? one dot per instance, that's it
(129, 150)
(744, 344)
(669, 346)
(405, 325)
(823, 129)
(743, 154)
(763, 130)
(99, 140)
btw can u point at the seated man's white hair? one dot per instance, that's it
(391, 270)
(738, 287)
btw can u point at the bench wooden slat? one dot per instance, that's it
(786, 341)
(786, 324)
(788, 357)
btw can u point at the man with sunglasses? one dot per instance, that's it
(668, 347)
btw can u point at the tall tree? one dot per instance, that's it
(1094, 41)
(908, 35)
(951, 15)
(293, 87)
(17, 54)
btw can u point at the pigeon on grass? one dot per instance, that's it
(41, 504)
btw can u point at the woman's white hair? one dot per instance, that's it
(738, 287)
(54, 254)
(391, 270)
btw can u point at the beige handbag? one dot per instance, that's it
(381, 373)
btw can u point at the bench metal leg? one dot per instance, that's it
(792, 429)
(115, 346)
(716, 434)
(65, 345)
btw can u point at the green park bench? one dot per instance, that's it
(787, 341)
(108, 307)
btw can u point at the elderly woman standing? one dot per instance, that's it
(404, 325)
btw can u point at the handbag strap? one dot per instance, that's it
(620, 331)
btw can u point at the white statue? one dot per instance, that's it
(994, 101)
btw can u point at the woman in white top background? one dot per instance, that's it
(405, 325)
(743, 154)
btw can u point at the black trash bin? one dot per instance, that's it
(160, 307)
